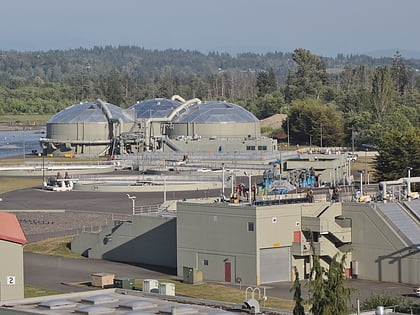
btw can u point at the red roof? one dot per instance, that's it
(10, 229)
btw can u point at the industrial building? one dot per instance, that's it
(99, 128)
(261, 242)
(12, 240)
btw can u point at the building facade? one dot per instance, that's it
(12, 240)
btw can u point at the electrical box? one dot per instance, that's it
(167, 288)
(150, 286)
(191, 275)
(124, 283)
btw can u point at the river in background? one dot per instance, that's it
(18, 143)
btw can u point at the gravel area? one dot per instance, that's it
(47, 224)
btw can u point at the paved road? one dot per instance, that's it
(55, 273)
(110, 202)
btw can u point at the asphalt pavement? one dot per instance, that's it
(33, 199)
(61, 274)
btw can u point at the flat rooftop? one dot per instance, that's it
(114, 301)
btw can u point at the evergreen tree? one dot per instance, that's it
(266, 83)
(337, 294)
(400, 73)
(114, 92)
(297, 295)
(382, 87)
(309, 78)
(328, 293)
(398, 150)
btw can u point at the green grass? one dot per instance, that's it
(25, 119)
(14, 183)
(58, 246)
(221, 293)
(31, 291)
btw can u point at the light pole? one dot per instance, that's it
(43, 167)
(366, 170)
(361, 182)
(164, 188)
(133, 200)
(223, 180)
(249, 187)
(409, 171)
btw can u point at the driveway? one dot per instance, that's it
(56, 273)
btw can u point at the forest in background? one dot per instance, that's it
(353, 99)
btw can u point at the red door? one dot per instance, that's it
(228, 277)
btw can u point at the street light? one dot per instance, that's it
(249, 187)
(133, 200)
(164, 188)
(409, 171)
(223, 180)
(361, 182)
(366, 169)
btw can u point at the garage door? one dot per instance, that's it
(275, 264)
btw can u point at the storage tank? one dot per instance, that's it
(214, 119)
(86, 128)
(157, 107)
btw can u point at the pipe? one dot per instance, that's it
(169, 118)
(177, 98)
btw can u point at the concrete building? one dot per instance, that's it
(261, 244)
(12, 240)
(144, 239)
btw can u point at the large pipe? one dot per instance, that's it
(177, 98)
(150, 121)
(406, 181)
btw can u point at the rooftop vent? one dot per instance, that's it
(100, 299)
(57, 304)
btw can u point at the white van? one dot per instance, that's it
(417, 291)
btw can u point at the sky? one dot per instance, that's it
(325, 27)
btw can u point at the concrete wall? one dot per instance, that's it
(11, 265)
(224, 144)
(209, 235)
(380, 253)
(236, 129)
(146, 240)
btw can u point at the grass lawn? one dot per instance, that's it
(25, 119)
(31, 291)
(221, 293)
(14, 183)
(58, 246)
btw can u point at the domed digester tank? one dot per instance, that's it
(214, 119)
(86, 128)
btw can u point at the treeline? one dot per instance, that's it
(344, 99)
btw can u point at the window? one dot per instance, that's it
(250, 147)
(250, 226)
(262, 148)
(205, 262)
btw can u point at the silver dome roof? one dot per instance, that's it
(155, 108)
(90, 112)
(215, 112)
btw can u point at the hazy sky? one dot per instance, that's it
(325, 27)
